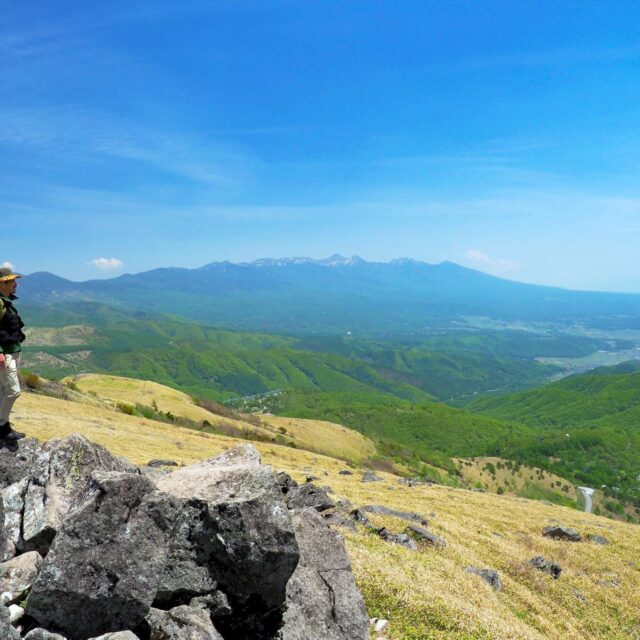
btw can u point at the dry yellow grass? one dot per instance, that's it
(473, 470)
(424, 595)
(315, 435)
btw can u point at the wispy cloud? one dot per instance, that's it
(7, 265)
(496, 265)
(107, 264)
(73, 134)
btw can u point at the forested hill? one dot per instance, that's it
(336, 295)
(588, 425)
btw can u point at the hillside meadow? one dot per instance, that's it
(425, 595)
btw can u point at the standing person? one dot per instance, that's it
(11, 337)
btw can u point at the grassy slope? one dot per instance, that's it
(313, 435)
(424, 595)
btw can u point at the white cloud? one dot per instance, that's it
(477, 256)
(7, 265)
(497, 265)
(107, 264)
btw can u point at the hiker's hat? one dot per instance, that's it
(7, 274)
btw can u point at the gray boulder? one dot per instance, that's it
(559, 532)
(323, 602)
(102, 571)
(18, 574)
(422, 535)
(401, 539)
(181, 623)
(59, 474)
(490, 576)
(15, 459)
(597, 539)
(308, 495)
(547, 566)
(13, 499)
(369, 476)
(243, 535)
(380, 509)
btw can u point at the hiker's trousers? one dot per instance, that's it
(9, 385)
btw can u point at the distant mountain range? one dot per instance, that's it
(337, 295)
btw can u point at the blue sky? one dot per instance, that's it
(504, 136)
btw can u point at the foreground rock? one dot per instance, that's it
(322, 599)
(240, 531)
(205, 552)
(58, 475)
(559, 532)
(102, 572)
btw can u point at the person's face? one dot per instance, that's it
(8, 287)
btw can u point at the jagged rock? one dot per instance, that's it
(162, 463)
(403, 515)
(43, 634)
(58, 476)
(118, 635)
(312, 478)
(323, 602)
(548, 566)
(308, 495)
(181, 623)
(596, 539)
(16, 457)
(422, 535)
(102, 571)
(245, 536)
(285, 482)
(7, 632)
(490, 576)
(559, 532)
(401, 539)
(13, 499)
(18, 574)
(369, 476)
(345, 472)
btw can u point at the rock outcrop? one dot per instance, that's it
(209, 551)
(322, 593)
